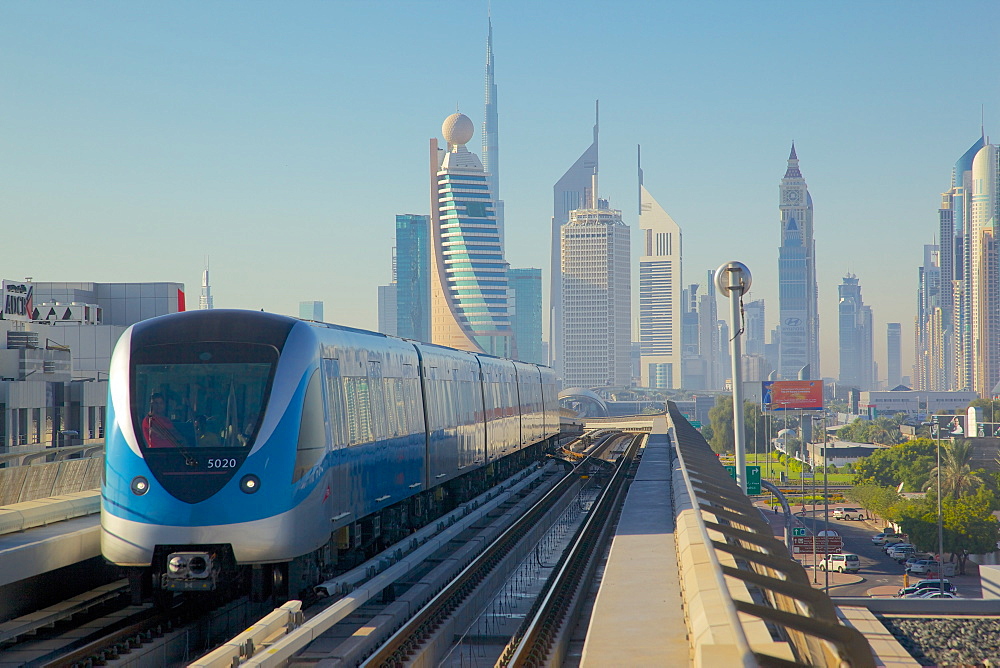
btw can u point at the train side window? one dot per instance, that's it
(335, 402)
(312, 430)
(376, 398)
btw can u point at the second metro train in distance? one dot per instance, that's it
(242, 444)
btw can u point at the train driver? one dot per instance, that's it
(157, 428)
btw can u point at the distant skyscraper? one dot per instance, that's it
(413, 284)
(387, 306)
(855, 323)
(311, 311)
(205, 302)
(984, 270)
(797, 289)
(491, 135)
(893, 345)
(932, 350)
(596, 306)
(526, 286)
(469, 308)
(660, 320)
(570, 192)
(955, 329)
(755, 328)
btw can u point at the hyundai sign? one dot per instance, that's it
(793, 395)
(17, 300)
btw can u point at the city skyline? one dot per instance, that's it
(185, 131)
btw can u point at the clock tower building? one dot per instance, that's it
(798, 328)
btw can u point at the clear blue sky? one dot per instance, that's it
(281, 138)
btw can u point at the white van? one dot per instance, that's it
(848, 514)
(842, 563)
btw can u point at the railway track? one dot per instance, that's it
(428, 637)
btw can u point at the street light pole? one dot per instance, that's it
(733, 280)
(940, 526)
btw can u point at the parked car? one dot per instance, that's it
(921, 566)
(893, 540)
(915, 557)
(842, 563)
(932, 593)
(880, 538)
(888, 547)
(848, 514)
(929, 583)
(901, 552)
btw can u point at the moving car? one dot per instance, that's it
(848, 514)
(842, 563)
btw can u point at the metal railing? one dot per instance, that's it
(782, 619)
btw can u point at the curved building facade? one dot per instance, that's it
(469, 299)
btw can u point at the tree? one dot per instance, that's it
(969, 526)
(720, 418)
(908, 463)
(875, 498)
(957, 476)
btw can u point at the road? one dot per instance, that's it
(876, 568)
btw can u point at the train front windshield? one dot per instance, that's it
(200, 395)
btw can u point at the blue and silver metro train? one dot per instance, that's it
(242, 444)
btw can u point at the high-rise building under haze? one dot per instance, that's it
(469, 300)
(596, 297)
(526, 320)
(855, 325)
(798, 314)
(205, 302)
(951, 350)
(572, 191)
(660, 310)
(893, 349)
(311, 311)
(491, 135)
(412, 276)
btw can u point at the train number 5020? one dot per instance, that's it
(221, 463)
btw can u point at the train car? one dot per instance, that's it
(242, 444)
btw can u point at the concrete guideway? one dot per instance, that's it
(640, 582)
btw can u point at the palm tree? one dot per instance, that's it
(957, 476)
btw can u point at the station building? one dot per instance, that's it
(57, 341)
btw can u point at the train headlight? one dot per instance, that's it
(250, 483)
(198, 567)
(189, 565)
(139, 485)
(177, 566)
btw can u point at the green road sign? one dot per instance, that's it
(753, 477)
(695, 423)
(798, 531)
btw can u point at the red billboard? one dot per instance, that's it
(793, 395)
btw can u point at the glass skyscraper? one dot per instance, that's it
(797, 289)
(469, 280)
(526, 286)
(572, 191)
(596, 298)
(413, 285)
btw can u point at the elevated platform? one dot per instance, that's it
(41, 550)
(638, 617)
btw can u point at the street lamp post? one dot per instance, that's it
(733, 280)
(940, 526)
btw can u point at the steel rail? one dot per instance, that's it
(539, 638)
(411, 635)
